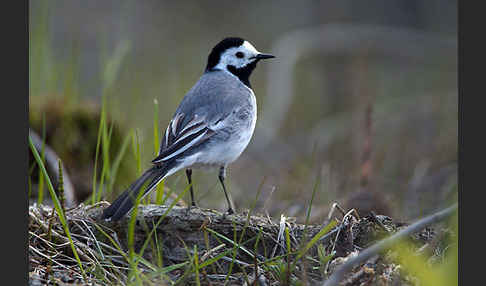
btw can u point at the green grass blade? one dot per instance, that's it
(196, 265)
(289, 269)
(206, 243)
(314, 190)
(112, 65)
(137, 151)
(313, 241)
(255, 247)
(112, 241)
(98, 143)
(214, 259)
(160, 262)
(173, 267)
(40, 193)
(60, 190)
(287, 240)
(104, 134)
(106, 169)
(142, 250)
(57, 205)
(116, 164)
(159, 195)
(159, 190)
(237, 245)
(156, 127)
(131, 237)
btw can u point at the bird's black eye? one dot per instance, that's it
(239, 55)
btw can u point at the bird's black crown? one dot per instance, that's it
(214, 56)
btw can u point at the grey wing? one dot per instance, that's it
(180, 137)
(204, 112)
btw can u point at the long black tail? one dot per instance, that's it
(126, 200)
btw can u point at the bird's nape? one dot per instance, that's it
(223, 45)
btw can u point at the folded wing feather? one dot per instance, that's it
(179, 138)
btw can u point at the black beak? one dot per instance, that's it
(263, 56)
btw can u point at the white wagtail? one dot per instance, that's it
(211, 127)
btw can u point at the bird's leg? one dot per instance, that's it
(222, 176)
(189, 179)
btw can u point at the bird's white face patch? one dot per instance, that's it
(237, 56)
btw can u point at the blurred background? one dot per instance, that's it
(360, 105)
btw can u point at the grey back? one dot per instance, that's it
(215, 94)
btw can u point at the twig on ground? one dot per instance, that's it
(343, 224)
(280, 235)
(338, 275)
(335, 206)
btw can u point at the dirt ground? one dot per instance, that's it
(180, 229)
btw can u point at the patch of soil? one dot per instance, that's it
(179, 231)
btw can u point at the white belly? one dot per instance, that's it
(226, 152)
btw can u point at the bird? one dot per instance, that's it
(211, 127)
